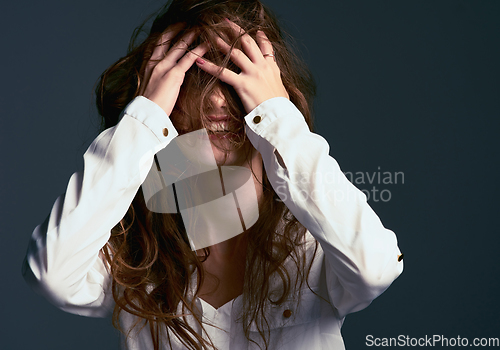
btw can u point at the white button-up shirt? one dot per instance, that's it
(357, 258)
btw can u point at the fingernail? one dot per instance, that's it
(200, 61)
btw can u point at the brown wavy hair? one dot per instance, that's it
(148, 254)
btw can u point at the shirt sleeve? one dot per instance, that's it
(362, 257)
(63, 261)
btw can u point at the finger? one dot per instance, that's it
(189, 58)
(249, 45)
(224, 74)
(237, 56)
(265, 46)
(163, 43)
(178, 50)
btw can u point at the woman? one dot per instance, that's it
(317, 251)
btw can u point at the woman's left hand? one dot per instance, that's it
(260, 77)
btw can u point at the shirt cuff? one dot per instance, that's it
(268, 112)
(153, 116)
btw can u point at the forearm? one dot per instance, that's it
(362, 256)
(63, 262)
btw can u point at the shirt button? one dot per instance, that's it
(287, 313)
(165, 132)
(400, 257)
(257, 119)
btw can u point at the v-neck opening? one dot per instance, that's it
(220, 307)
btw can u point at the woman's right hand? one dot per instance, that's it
(167, 66)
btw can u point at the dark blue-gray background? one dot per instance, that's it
(407, 86)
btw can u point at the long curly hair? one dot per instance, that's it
(148, 254)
